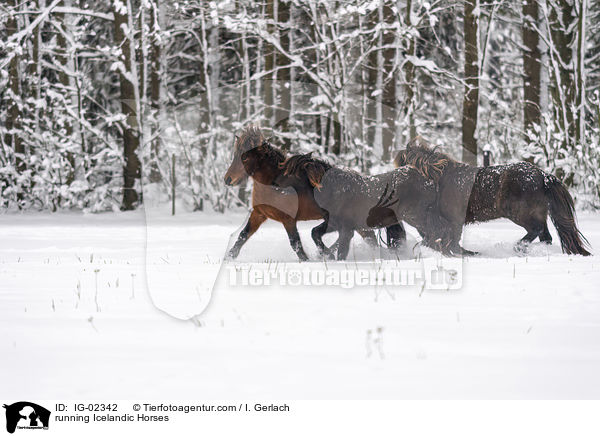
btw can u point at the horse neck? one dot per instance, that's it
(454, 166)
(268, 171)
(458, 171)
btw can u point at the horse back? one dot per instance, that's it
(500, 190)
(346, 196)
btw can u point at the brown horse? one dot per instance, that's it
(521, 192)
(254, 156)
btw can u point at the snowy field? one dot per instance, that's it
(76, 320)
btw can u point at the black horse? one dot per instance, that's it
(352, 202)
(521, 192)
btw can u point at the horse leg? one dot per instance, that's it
(254, 222)
(545, 236)
(334, 248)
(345, 236)
(454, 245)
(464, 252)
(317, 236)
(533, 217)
(529, 237)
(369, 236)
(396, 235)
(533, 231)
(292, 231)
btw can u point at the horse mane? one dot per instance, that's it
(429, 162)
(252, 137)
(273, 153)
(305, 164)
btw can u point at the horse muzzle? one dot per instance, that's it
(230, 181)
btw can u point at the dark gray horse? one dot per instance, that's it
(355, 202)
(521, 192)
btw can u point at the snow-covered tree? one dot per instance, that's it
(100, 100)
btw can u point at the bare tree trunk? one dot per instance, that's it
(65, 77)
(131, 140)
(580, 73)
(245, 90)
(471, 93)
(209, 78)
(258, 100)
(562, 30)
(205, 94)
(81, 116)
(532, 65)
(13, 118)
(247, 82)
(155, 87)
(328, 121)
(142, 55)
(313, 54)
(204, 78)
(282, 114)
(336, 67)
(35, 66)
(269, 51)
(372, 74)
(409, 78)
(364, 162)
(338, 139)
(388, 100)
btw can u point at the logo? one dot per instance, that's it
(26, 415)
(443, 274)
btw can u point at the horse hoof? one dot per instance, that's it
(521, 247)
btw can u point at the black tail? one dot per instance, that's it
(562, 213)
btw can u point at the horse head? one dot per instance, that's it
(252, 155)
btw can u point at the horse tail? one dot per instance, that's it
(562, 213)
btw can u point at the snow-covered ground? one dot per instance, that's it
(76, 320)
